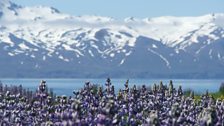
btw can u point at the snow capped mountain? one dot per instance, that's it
(43, 42)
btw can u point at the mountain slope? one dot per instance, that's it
(43, 42)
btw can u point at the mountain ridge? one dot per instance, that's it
(43, 42)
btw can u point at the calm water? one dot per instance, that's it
(66, 86)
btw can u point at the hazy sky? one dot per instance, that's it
(128, 8)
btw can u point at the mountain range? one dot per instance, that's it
(41, 41)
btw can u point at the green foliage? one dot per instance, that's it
(216, 95)
(221, 89)
(187, 92)
(95, 89)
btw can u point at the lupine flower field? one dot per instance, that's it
(93, 105)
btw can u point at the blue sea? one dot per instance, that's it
(67, 86)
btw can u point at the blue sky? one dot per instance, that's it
(127, 8)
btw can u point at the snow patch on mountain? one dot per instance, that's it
(162, 57)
